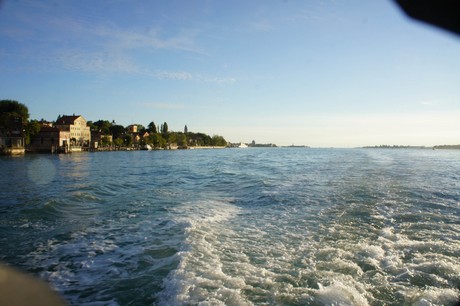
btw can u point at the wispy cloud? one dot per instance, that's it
(216, 80)
(100, 62)
(86, 45)
(173, 75)
(66, 35)
(93, 33)
(105, 49)
(128, 39)
(187, 76)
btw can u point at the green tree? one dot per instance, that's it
(181, 140)
(201, 139)
(14, 108)
(140, 128)
(157, 140)
(172, 137)
(105, 141)
(103, 126)
(90, 124)
(164, 128)
(128, 140)
(152, 128)
(148, 140)
(14, 118)
(32, 129)
(218, 141)
(118, 142)
(117, 131)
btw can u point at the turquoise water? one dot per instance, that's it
(276, 226)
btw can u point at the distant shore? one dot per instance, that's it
(206, 147)
(437, 147)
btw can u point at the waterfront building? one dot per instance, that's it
(50, 140)
(132, 128)
(76, 125)
(99, 139)
(12, 137)
(138, 137)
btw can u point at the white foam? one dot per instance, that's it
(200, 277)
(204, 211)
(387, 232)
(431, 296)
(339, 294)
(374, 251)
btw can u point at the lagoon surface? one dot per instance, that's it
(256, 226)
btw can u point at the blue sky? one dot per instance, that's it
(318, 73)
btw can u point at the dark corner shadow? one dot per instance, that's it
(444, 14)
(17, 288)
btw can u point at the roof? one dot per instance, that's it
(45, 128)
(67, 119)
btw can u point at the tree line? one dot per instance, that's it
(159, 136)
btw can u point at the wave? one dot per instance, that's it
(200, 277)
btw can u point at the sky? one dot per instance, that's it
(325, 73)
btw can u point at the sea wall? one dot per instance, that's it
(12, 151)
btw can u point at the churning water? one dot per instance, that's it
(276, 226)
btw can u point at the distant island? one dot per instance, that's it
(261, 145)
(396, 147)
(296, 146)
(438, 147)
(447, 147)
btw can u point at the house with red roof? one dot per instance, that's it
(76, 125)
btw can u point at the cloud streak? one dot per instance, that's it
(85, 44)
(95, 62)
(129, 39)
(187, 76)
(77, 45)
(173, 75)
(109, 63)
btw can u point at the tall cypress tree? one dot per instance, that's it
(164, 128)
(152, 127)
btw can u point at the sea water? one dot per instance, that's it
(256, 226)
